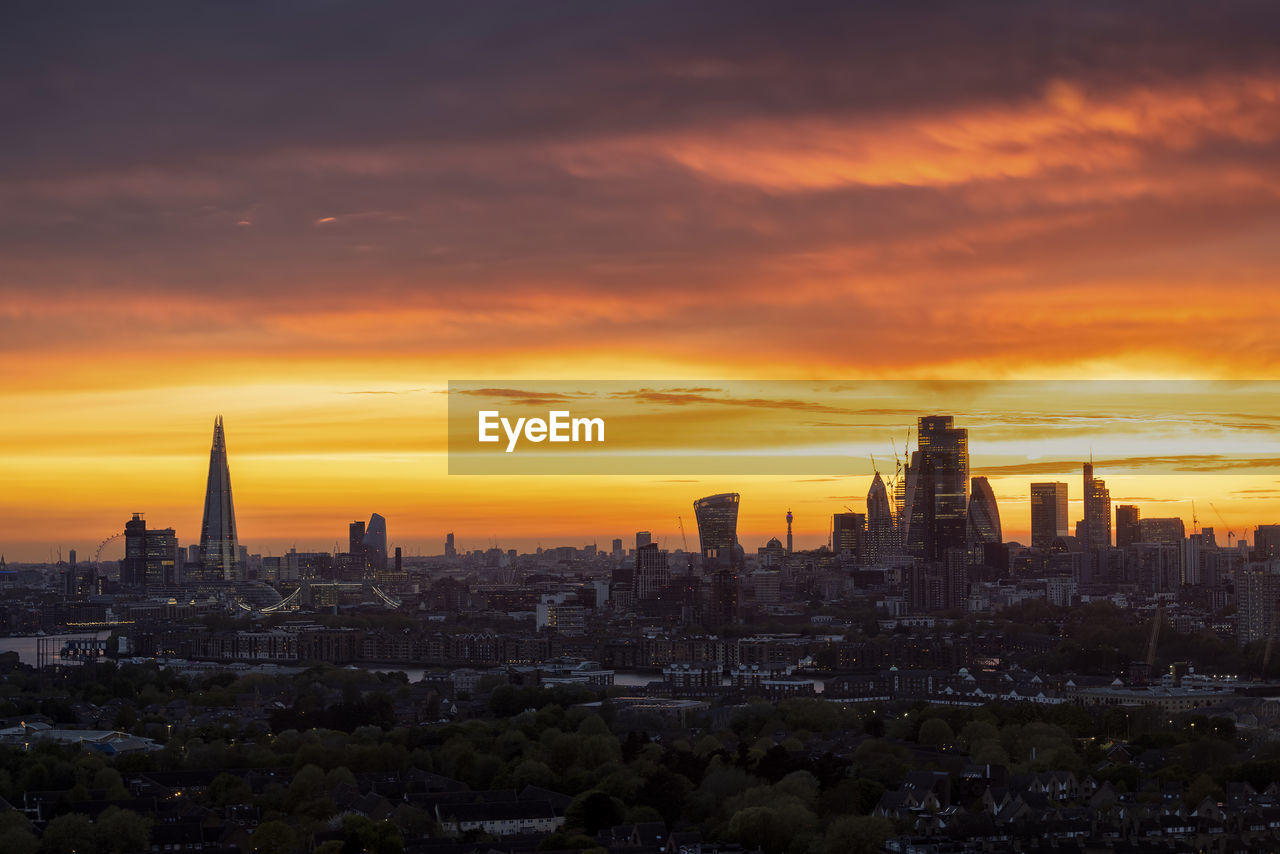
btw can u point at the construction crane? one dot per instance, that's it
(1231, 535)
(683, 538)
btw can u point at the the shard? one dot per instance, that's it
(219, 550)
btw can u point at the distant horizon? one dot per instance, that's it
(313, 234)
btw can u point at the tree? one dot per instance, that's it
(274, 837)
(772, 829)
(308, 795)
(126, 718)
(68, 834)
(595, 811)
(17, 836)
(935, 732)
(229, 789)
(857, 834)
(362, 835)
(122, 831)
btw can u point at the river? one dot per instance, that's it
(26, 647)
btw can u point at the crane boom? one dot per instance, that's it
(1231, 535)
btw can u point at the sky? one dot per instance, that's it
(310, 217)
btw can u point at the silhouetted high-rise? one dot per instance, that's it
(652, 576)
(984, 515)
(1048, 514)
(882, 538)
(150, 555)
(374, 543)
(937, 489)
(219, 548)
(1096, 529)
(1128, 525)
(717, 517)
(848, 532)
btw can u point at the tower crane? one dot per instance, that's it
(683, 538)
(1231, 535)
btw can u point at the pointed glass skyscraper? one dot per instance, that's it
(219, 550)
(882, 539)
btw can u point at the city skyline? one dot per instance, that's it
(726, 190)
(219, 553)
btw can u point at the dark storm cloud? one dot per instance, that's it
(625, 168)
(110, 85)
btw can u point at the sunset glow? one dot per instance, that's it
(314, 253)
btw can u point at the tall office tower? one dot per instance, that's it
(72, 559)
(717, 517)
(900, 514)
(955, 579)
(643, 538)
(374, 543)
(150, 556)
(618, 553)
(1266, 542)
(1097, 511)
(848, 531)
(1192, 559)
(355, 538)
(789, 531)
(1169, 530)
(1048, 514)
(723, 606)
(450, 550)
(399, 561)
(652, 575)
(1257, 600)
(983, 525)
(881, 542)
(1128, 525)
(937, 489)
(133, 564)
(219, 549)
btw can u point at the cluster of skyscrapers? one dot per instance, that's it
(153, 557)
(934, 526)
